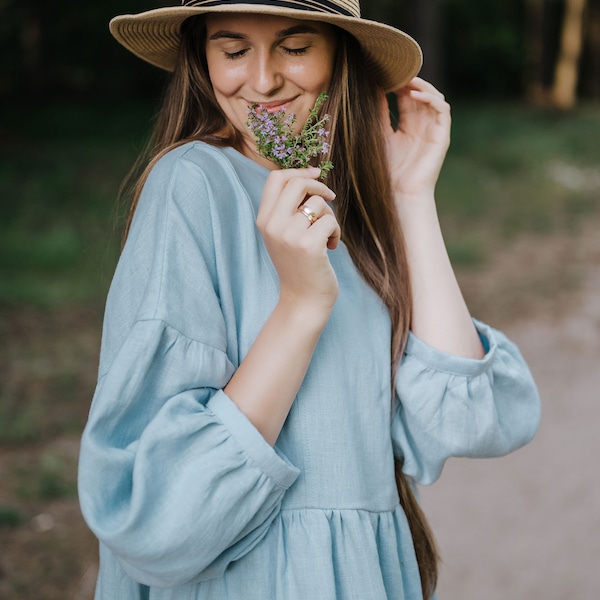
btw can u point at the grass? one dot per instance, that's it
(10, 516)
(52, 476)
(513, 170)
(48, 368)
(58, 183)
(510, 170)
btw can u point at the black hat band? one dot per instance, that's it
(323, 6)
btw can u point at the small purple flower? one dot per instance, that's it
(275, 138)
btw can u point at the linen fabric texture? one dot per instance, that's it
(186, 497)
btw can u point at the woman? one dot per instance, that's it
(273, 344)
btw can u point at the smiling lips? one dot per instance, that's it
(275, 105)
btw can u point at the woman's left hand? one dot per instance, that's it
(416, 150)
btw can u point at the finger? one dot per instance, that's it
(325, 232)
(291, 228)
(296, 192)
(406, 104)
(434, 101)
(311, 210)
(329, 231)
(289, 188)
(409, 99)
(416, 100)
(424, 86)
(278, 180)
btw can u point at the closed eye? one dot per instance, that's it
(295, 51)
(234, 55)
(288, 51)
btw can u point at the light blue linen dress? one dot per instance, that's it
(186, 497)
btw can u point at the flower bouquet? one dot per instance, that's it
(276, 141)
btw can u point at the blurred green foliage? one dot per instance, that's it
(50, 477)
(49, 49)
(59, 178)
(484, 48)
(510, 169)
(10, 516)
(514, 169)
(52, 50)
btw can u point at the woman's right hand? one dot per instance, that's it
(297, 247)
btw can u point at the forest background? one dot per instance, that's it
(518, 195)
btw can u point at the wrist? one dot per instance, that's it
(307, 314)
(415, 205)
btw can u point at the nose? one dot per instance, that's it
(267, 76)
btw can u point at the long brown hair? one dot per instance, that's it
(372, 232)
(364, 204)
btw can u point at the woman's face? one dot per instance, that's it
(277, 62)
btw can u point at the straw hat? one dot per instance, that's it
(155, 36)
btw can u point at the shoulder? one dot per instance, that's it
(185, 167)
(221, 172)
(184, 184)
(200, 154)
(168, 262)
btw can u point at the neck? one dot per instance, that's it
(248, 149)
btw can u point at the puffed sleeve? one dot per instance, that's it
(451, 406)
(173, 478)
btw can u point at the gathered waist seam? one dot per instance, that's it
(337, 509)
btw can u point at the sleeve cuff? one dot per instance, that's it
(455, 365)
(271, 461)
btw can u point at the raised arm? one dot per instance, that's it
(267, 380)
(416, 151)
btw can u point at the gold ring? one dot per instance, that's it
(309, 213)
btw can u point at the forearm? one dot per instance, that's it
(440, 316)
(267, 381)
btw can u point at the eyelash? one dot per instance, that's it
(289, 51)
(295, 51)
(234, 55)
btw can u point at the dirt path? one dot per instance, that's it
(527, 526)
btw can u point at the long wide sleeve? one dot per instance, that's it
(455, 407)
(173, 478)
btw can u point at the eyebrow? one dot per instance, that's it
(234, 35)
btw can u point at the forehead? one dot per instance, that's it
(268, 25)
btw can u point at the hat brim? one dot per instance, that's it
(154, 36)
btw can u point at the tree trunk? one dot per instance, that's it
(428, 36)
(535, 89)
(564, 90)
(377, 10)
(594, 48)
(418, 18)
(32, 56)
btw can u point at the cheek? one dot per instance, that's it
(225, 79)
(311, 77)
(320, 71)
